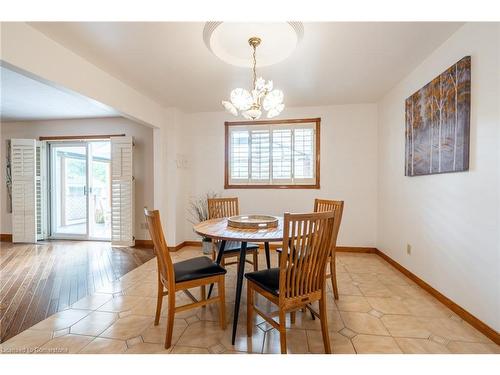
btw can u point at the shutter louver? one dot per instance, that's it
(282, 155)
(260, 155)
(41, 190)
(303, 154)
(24, 213)
(122, 192)
(239, 155)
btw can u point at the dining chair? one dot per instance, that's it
(301, 276)
(226, 207)
(325, 205)
(181, 276)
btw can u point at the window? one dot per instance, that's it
(272, 154)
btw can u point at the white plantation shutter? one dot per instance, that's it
(122, 192)
(41, 190)
(23, 167)
(303, 154)
(260, 155)
(282, 155)
(239, 155)
(272, 154)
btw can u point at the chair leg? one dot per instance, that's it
(268, 255)
(324, 323)
(203, 294)
(249, 309)
(333, 276)
(223, 262)
(292, 317)
(282, 329)
(313, 317)
(222, 302)
(170, 320)
(159, 301)
(255, 261)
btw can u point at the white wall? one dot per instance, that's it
(143, 155)
(348, 168)
(451, 220)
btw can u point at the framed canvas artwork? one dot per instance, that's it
(437, 123)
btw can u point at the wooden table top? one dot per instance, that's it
(218, 229)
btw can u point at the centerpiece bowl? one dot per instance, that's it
(252, 221)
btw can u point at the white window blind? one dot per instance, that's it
(122, 192)
(23, 167)
(272, 154)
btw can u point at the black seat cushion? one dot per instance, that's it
(279, 250)
(196, 268)
(266, 279)
(235, 247)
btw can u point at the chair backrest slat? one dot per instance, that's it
(222, 207)
(165, 265)
(325, 205)
(309, 238)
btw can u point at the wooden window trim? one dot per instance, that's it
(228, 124)
(78, 137)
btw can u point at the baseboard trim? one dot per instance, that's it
(5, 237)
(275, 245)
(190, 243)
(457, 309)
(356, 249)
(144, 243)
(149, 245)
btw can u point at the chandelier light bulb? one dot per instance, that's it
(261, 96)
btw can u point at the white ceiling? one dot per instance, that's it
(23, 98)
(334, 63)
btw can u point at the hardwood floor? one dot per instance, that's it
(39, 280)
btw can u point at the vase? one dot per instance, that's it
(206, 246)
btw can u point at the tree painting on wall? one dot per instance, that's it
(437, 123)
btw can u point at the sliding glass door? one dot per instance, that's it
(80, 190)
(69, 187)
(100, 190)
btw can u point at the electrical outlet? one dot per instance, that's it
(408, 249)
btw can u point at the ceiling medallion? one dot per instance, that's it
(262, 95)
(224, 40)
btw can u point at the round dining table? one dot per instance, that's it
(217, 229)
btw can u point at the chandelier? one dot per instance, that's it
(262, 96)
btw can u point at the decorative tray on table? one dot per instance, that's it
(252, 221)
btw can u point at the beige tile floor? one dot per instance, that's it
(379, 311)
